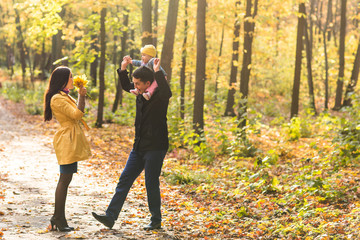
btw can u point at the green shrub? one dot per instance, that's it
(270, 109)
(298, 128)
(13, 91)
(242, 148)
(184, 176)
(124, 115)
(348, 138)
(32, 97)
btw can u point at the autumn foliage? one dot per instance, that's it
(254, 173)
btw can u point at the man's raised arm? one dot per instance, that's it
(163, 86)
(124, 77)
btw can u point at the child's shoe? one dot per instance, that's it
(147, 95)
(135, 91)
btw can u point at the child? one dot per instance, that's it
(148, 53)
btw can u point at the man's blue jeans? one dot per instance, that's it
(152, 161)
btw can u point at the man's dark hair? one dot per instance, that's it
(144, 74)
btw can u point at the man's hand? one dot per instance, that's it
(124, 63)
(156, 64)
(128, 58)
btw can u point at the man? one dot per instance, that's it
(150, 145)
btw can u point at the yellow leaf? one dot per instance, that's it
(43, 231)
(80, 81)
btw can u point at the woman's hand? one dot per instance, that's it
(156, 64)
(82, 91)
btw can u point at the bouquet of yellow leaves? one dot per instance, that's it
(80, 81)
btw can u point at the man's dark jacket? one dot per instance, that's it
(151, 132)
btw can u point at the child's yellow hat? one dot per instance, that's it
(149, 50)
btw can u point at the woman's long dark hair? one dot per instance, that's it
(58, 81)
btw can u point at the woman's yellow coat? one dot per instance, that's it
(70, 143)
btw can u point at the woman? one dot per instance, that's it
(70, 143)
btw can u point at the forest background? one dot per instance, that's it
(264, 119)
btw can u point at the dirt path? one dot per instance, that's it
(28, 177)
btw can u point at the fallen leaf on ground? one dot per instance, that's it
(43, 231)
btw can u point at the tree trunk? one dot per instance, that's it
(330, 18)
(94, 64)
(229, 111)
(319, 16)
(183, 65)
(326, 104)
(10, 59)
(57, 45)
(156, 17)
(114, 62)
(277, 35)
(118, 95)
(28, 58)
(99, 120)
(190, 85)
(218, 64)
(311, 23)
(124, 47)
(21, 46)
(42, 75)
(354, 78)
(115, 54)
(36, 62)
(198, 119)
(298, 58)
(340, 81)
(132, 38)
(334, 28)
(249, 26)
(167, 51)
(309, 69)
(356, 19)
(56, 52)
(146, 22)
